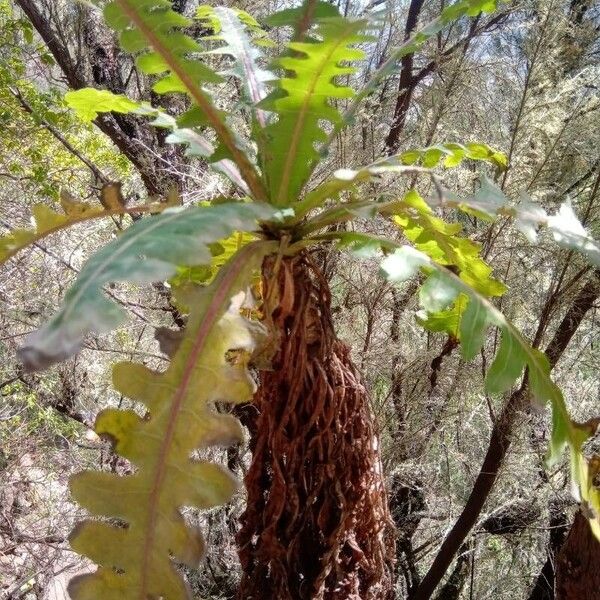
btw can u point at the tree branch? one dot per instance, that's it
(406, 86)
(409, 81)
(100, 176)
(500, 441)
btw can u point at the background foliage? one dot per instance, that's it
(522, 80)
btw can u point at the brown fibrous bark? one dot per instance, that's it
(317, 524)
(578, 564)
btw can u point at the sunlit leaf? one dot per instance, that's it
(153, 31)
(302, 102)
(88, 103)
(150, 250)
(347, 179)
(138, 560)
(197, 144)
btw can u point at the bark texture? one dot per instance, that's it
(86, 53)
(316, 524)
(543, 588)
(578, 565)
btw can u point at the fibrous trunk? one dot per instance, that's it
(316, 524)
(578, 564)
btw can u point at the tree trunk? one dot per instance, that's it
(316, 523)
(578, 565)
(452, 589)
(543, 589)
(409, 79)
(91, 59)
(406, 85)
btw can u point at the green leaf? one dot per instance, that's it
(27, 29)
(143, 23)
(513, 356)
(221, 253)
(439, 240)
(507, 366)
(473, 327)
(88, 103)
(490, 202)
(481, 6)
(444, 321)
(346, 179)
(150, 250)
(139, 560)
(301, 101)
(84, 103)
(152, 23)
(232, 25)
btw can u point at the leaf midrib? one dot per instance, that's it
(208, 322)
(114, 256)
(297, 132)
(221, 129)
(247, 62)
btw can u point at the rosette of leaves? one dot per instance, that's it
(292, 103)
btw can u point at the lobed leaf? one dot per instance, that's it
(230, 26)
(145, 24)
(221, 252)
(453, 154)
(441, 242)
(490, 202)
(87, 104)
(301, 101)
(137, 558)
(437, 239)
(408, 162)
(48, 221)
(150, 250)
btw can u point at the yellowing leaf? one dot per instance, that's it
(439, 240)
(47, 221)
(137, 560)
(221, 253)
